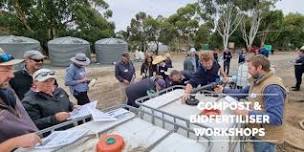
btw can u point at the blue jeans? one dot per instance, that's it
(264, 146)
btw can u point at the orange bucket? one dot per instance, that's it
(110, 143)
(211, 112)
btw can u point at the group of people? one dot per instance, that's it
(31, 99)
(263, 87)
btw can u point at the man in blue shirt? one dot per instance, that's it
(268, 90)
(76, 78)
(207, 73)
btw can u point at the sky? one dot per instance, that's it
(125, 10)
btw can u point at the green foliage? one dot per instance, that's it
(45, 19)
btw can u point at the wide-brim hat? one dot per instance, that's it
(302, 48)
(158, 59)
(81, 59)
(7, 59)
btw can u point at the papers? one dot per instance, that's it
(118, 112)
(84, 110)
(100, 116)
(61, 138)
(90, 108)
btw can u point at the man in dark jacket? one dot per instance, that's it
(15, 122)
(142, 88)
(177, 78)
(47, 104)
(299, 69)
(227, 58)
(125, 70)
(207, 73)
(22, 82)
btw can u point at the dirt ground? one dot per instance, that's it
(107, 92)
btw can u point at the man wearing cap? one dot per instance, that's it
(22, 82)
(299, 69)
(15, 121)
(76, 78)
(47, 104)
(148, 86)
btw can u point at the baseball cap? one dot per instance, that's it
(43, 74)
(33, 54)
(7, 59)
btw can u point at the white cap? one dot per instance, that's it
(43, 74)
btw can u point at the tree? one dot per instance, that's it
(45, 19)
(253, 11)
(225, 15)
(185, 24)
(271, 26)
(292, 35)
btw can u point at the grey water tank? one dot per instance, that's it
(17, 45)
(109, 50)
(63, 48)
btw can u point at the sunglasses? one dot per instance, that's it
(44, 74)
(37, 60)
(5, 57)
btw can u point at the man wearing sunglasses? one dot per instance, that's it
(23, 79)
(16, 127)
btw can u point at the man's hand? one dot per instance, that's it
(76, 106)
(62, 116)
(218, 89)
(27, 141)
(83, 80)
(185, 97)
(241, 112)
(126, 82)
(187, 93)
(225, 79)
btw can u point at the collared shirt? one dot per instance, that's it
(14, 121)
(22, 82)
(124, 71)
(42, 107)
(72, 75)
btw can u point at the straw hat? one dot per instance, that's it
(158, 59)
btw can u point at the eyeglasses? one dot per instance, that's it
(37, 60)
(44, 74)
(5, 57)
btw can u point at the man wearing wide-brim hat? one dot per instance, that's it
(76, 78)
(16, 127)
(299, 69)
